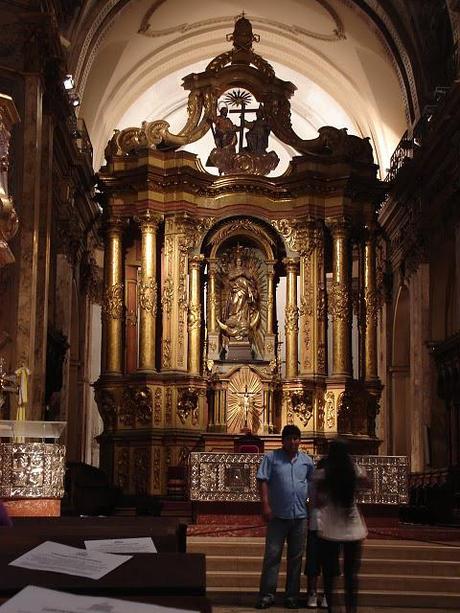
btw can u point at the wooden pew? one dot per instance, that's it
(168, 533)
(170, 579)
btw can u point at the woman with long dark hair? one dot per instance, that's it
(340, 524)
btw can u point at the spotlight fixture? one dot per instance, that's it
(69, 82)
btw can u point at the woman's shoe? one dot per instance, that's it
(312, 600)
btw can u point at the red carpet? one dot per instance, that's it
(256, 528)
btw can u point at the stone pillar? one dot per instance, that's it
(113, 299)
(30, 228)
(43, 269)
(194, 316)
(340, 299)
(371, 308)
(292, 318)
(147, 291)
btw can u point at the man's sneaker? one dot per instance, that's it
(291, 603)
(312, 600)
(323, 603)
(265, 602)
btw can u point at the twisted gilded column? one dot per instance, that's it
(371, 307)
(113, 298)
(292, 318)
(148, 290)
(340, 299)
(194, 316)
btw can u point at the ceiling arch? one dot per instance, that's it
(324, 45)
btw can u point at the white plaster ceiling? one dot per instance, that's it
(344, 74)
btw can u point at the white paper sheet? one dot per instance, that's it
(34, 599)
(143, 544)
(59, 558)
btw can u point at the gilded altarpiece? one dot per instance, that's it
(243, 280)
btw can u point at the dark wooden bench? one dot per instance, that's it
(168, 534)
(171, 579)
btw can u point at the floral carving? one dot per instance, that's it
(329, 409)
(187, 405)
(292, 318)
(371, 300)
(122, 468)
(141, 471)
(107, 406)
(157, 407)
(156, 466)
(339, 302)
(194, 312)
(166, 343)
(148, 295)
(168, 294)
(136, 404)
(168, 407)
(300, 404)
(112, 303)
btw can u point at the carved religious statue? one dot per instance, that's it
(258, 133)
(241, 312)
(224, 131)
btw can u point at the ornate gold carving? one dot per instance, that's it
(194, 314)
(339, 302)
(242, 225)
(113, 302)
(148, 295)
(141, 470)
(148, 221)
(329, 409)
(156, 469)
(107, 406)
(321, 359)
(228, 162)
(122, 468)
(32, 470)
(300, 405)
(166, 342)
(137, 405)
(8, 217)
(168, 406)
(187, 405)
(292, 318)
(371, 300)
(91, 282)
(319, 410)
(168, 294)
(157, 406)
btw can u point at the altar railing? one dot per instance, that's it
(231, 477)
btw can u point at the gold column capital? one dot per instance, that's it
(291, 264)
(114, 223)
(148, 221)
(340, 227)
(196, 262)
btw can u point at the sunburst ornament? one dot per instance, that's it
(238, 98)
(244, 402)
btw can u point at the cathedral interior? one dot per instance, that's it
(216, 223)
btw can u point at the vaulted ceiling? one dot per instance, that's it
(347, 58)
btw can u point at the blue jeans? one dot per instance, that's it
(278, 531)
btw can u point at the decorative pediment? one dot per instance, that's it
(244, 80)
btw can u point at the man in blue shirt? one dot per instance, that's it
(283, 483)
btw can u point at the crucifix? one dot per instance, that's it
(246, 406)
(242, 113)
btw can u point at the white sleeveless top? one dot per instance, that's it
(333, 524)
